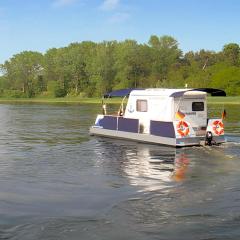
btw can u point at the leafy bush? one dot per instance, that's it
(13, 94)
(60, 92)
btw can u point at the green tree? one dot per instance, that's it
(91, 69)
(227, 78)
(132, 65)
(23, 71)
(165, 53)
(231, 53)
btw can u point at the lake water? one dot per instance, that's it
(56, 182)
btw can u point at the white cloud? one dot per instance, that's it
(63, 3)
(109, 5)
(119, 18)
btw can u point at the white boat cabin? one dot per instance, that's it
(162, 105)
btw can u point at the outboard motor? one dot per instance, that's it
(209, 139)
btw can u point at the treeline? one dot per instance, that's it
(90, 69)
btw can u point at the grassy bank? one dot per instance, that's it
(78, 100)
(49, 100)
(224, 100)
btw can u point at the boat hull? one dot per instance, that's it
(152, 139)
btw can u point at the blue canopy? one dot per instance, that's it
(121, 92)
(214, 92)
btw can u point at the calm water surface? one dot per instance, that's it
(56, 182)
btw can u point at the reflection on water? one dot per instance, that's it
(58, 183)
(181, 165)
(148, 167)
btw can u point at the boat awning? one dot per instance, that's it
(121, 92)
(214, 92)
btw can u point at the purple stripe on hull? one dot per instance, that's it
(108, 122)
(128, 124)
(162, 129)
(119, 123)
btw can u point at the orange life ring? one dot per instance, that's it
(218, 127)
(183, 128)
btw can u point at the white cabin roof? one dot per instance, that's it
(164, 92)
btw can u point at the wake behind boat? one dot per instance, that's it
(174, 117)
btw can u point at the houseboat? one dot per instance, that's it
(174, 117)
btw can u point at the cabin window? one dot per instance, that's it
(142, 106)
(198, 106)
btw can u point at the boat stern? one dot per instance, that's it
(186, 135)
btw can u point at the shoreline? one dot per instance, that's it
(75, 100)
(51, 100)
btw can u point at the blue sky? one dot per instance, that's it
(42, 24)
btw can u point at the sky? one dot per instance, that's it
(39, 25)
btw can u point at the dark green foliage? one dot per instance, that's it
(60, 92)
(13, 94)
(231, 53)
(90, 69)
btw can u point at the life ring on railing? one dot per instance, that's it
(218, 127)
(183, 128)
